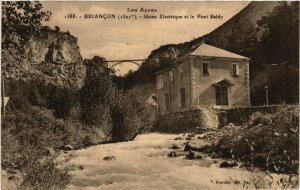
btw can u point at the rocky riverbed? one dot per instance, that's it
(158, 161)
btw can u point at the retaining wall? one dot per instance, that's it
(240, 116)
(199, 119)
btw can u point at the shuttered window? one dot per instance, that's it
(166, 79)
(160, 82)
(181, 71)
(235, 70)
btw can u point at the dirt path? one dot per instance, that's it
(144, 164)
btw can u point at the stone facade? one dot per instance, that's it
(220, 81)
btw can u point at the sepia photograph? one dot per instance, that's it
(149, 95)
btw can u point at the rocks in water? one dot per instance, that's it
(197, 145)
(228, 164)
(178, 138)
(11, 177)
(81, 167)
(67, 147)
(192, 155)
(174, 146)
(109, 158)
(190, 136)
(172, 154)
(201, 136)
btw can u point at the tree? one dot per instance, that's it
(243, 38)
(20, 21)
(279, 34)
(277, 54)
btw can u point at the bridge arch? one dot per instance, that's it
(113, 63)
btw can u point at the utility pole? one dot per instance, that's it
(267, 95)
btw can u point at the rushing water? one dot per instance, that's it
(144, 164)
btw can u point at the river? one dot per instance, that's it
(143, 164)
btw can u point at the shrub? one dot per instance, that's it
(109, 108)
(43, 172)
(128, 116)
(27, 137)
(95, 98)
(273, 145)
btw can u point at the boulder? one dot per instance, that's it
(109, 158)
(197, 145)
(48, 151)
(228, 164)
(67, 147)
(192, 155)
(201, 136)
(174, 146)
(11, 177)
(172, 154)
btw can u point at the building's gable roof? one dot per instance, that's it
(203, 50)
(211, 51)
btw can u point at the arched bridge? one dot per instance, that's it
(113, 63)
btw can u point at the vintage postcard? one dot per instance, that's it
(149, 95)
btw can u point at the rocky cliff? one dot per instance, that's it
(51, 56)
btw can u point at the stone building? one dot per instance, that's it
(207, 77)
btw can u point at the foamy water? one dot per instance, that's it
(144, 164)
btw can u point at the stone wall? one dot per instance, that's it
(199, 119)
(240, 116)
(188, 121)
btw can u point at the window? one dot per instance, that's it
(171, 75)
(160, 82)
(167, 102)
(182, 98)
(235, 70)
(166, 79)
(181, 71)
(205, 69)
(221, 95)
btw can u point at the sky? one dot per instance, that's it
(136, 37)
